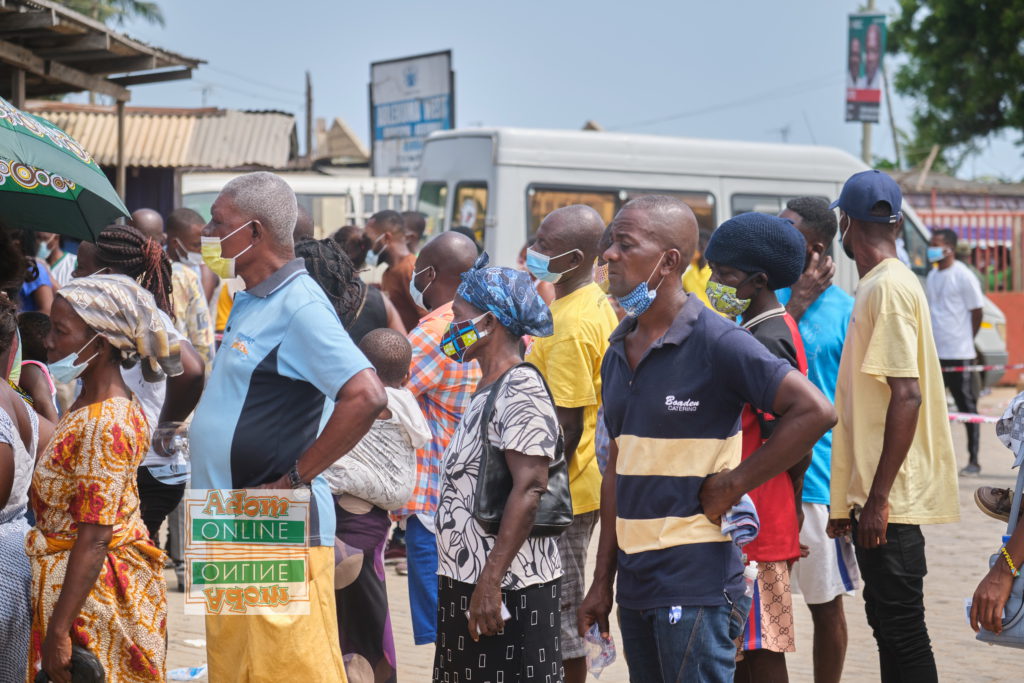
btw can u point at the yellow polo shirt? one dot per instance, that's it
(570, 361)
(890, 335)
(695, 281)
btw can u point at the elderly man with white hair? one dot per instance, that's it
(259, 421)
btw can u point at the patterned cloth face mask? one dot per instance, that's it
(460, 336)
(641, 297)
(601, 277)
(724, 300)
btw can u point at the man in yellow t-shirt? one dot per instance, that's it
(892, 453)
(570, 360)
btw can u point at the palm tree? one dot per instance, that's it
(118, 11)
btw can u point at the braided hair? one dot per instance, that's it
(125, 250)
(330, 266)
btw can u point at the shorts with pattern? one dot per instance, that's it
(572, 546)
(770, 624)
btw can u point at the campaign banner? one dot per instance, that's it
(865, 52)
(246, 551)
(410, 98)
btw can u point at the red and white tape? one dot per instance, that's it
(982, 368)
(971, 418)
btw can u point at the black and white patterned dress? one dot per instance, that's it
(527, 649)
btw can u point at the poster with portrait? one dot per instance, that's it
(864, 54)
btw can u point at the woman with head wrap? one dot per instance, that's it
(498, 595)
(97, 578)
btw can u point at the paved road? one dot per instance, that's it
(957, 560)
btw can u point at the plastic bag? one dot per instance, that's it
(600, 652)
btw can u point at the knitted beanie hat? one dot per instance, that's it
(760, 243)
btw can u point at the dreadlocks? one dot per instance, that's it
(332, 269)
(125, 250)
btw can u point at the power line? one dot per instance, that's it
(253, 81)
(774, 93)
(293, 103)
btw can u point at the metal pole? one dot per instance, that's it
(1015, 249)
(120, 150)
(865, 139)
(309, 118)
(892, 119)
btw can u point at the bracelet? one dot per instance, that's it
(1009, 561)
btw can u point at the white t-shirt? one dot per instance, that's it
(952, 294)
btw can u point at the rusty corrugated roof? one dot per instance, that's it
(178, 138)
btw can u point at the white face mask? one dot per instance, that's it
(193, 258)
(415, 293)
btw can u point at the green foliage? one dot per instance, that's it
(965, 70)
(118, 11)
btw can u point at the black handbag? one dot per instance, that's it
(554, 513)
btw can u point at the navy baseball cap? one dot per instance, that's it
(865, 189)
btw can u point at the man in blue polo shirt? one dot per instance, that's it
(822, 311)
(674, 383)
(262, 420)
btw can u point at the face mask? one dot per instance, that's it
(65, 370)
(538, 264)
(601, 277)
(724, 300)
(641, 297)
(417, 295)
(43, 251)
(373, 256)
(842, 236)
(221, 266)
(193, 258)
(460, 336)
(936, 254)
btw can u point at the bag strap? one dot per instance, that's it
(493, 396)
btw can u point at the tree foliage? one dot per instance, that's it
(118, 11)
(965, 68)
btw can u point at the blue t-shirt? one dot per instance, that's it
(25, 301)
(284, 351)
(823, 329)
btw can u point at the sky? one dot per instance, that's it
(728, 69)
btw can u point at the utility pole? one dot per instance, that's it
(309, 117)
(865, 137)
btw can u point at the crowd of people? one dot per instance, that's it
(732, 425)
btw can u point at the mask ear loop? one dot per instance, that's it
(647, 281)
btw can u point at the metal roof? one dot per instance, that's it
(179, 138)
(61, 51)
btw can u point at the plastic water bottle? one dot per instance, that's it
(749, 577)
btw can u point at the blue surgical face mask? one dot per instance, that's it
(641, 297)
(373, 256)
(538, 264)
(936, 254)
(460, 336)
(65, 370)
(416, 294)
(43, 251)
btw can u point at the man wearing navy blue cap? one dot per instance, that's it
(893, 467)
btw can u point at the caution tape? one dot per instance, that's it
(971, 418)
(982, 368)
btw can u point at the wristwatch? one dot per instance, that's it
(294, 479)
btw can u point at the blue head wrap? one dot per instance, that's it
(510, 296)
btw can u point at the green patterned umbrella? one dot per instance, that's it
(49, 182)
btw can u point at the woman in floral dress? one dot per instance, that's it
(97, 579)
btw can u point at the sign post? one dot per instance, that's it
(864, 77)
(410, 98)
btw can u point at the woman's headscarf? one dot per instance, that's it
(126, 315)
(509, 295)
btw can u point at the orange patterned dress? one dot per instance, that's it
(87, 475)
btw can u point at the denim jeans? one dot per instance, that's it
(699, 647)
(894, 602)
(421, 556)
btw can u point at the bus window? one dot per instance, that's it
(200, 202)
(431, 203)
(543, 200)
(329, 212)
(471, 207)
(763, 203)
(916, 245)
(701, 203)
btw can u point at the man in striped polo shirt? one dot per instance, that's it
(674, 383)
